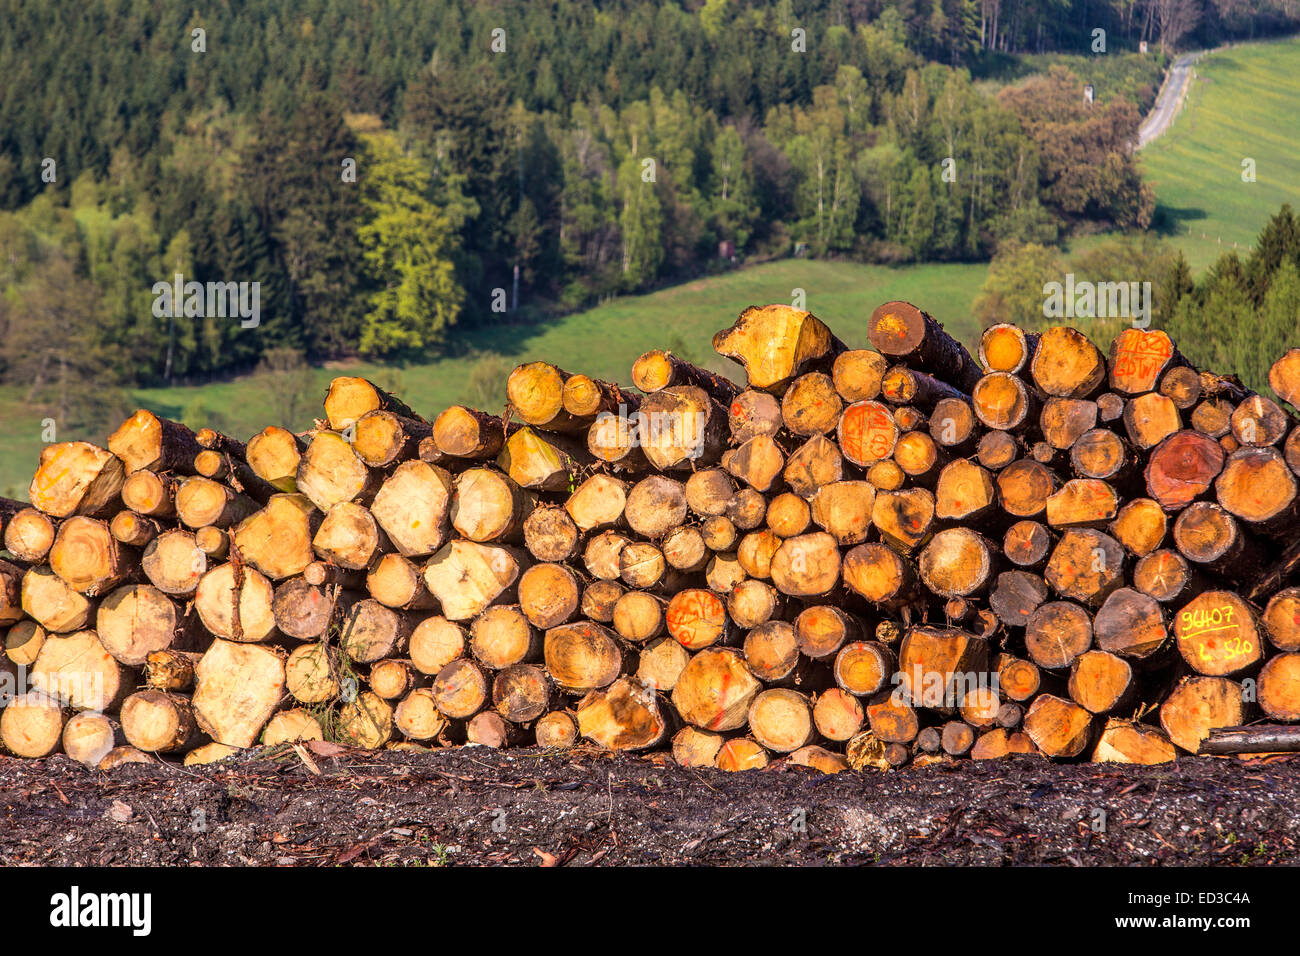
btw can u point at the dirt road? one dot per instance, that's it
(476, 806)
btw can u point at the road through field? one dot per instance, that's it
(1170, 100)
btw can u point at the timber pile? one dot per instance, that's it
(861, 558)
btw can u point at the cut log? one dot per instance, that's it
(381, 438)
(1124, 741)
(965, 492)
(857, 374)
(273, 454)
(1083, 502)
(1101, 682)
(135, 530)
(753, 413)
(1164, 575)
(369, 631)
(236, 603)
(696, 619)
(1067, 365)
(1006, 348)
(1058, 727)
(77, 670)
(821, 630)
(291, 726)
(1151, 418)
(811, 406)
(715, 689)
(1218, 634)
(87, 556)
(995, 450)
(136, 620)
(460, 689)
(76, 478)
(582, 657)
(806, 566)
(746, 509)
(741, 753)
(1058, 632)
(758, 463)
(1258, 487)
(904, 518)
(956, 562)
(89, 737)
(638, 617)
(1016, 596)
(1027, 544)
(464, 432)
(1278, 687)
(1197, 706)
(891, 719)
(863, 668)
(1002, 401)
(1024, 487)
(1085, 566)
(23, 642)
(157, 722)
(397, 583)
(350, 398)
(782, 720)
(311, 673)
(1182, 468)
(237, 688)
(867, 433)
(414, 508)
(1139, 358)
(655, 505)
(680, 426)
(52, 603)
(1281, 620)
(1018, 679)
(879, 574)
(815, 463)
(467, 577)
(32, 725)
(932, 661)
(366, 722)
(277, 540)
(624, 716)
(1140, 526)
(29, 534)
(145, 441)
(841, 508)
(776, 343)
(661, 663)
(904, 332)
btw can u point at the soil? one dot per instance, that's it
(328, 806)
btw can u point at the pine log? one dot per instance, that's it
(1067, 365)
(1218, 634)
(28, 535)
(1197, 706)
(76, 478)
(624, 716)
(236, 603)
(904, 332)
(857, 374)
(776, 343)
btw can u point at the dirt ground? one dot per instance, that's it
(579, 808)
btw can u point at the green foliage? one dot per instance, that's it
(407, 243)
(487, 381)
(1013, 291)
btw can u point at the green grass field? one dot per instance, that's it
(602, 341)
(1244, 102)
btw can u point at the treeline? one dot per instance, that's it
(383, 174)
(1237, 317)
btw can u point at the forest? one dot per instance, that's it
(390, 173)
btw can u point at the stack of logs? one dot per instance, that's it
(862, 558)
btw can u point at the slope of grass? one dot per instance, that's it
(1244, 102)
(602, 341)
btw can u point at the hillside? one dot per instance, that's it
(1244, 102)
